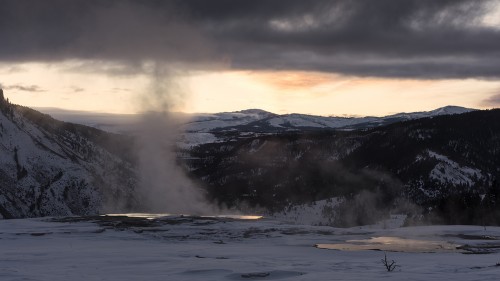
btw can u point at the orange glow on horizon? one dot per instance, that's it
(52, 85)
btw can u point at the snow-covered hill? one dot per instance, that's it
(210, 122)
(51, 168)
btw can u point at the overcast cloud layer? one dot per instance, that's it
(386, 38)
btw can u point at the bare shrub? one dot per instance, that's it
(390, 266)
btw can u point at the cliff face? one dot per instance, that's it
(50, 168)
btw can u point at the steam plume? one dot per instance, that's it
(164, 187)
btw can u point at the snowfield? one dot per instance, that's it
(149, 247)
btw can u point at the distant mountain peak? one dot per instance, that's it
(452, 109)
(446, 110)
(255, 111)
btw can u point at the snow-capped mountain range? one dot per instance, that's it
(255, 120)
(202, 128)
(250, 120)
(222, 127)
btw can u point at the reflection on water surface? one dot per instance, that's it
(393, 244)
(160, 215)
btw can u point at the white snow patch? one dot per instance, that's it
(315, 213)
(450, 171)
(189, 140)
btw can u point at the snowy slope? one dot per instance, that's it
(49, 168)
(447, 110)
(310, 121)
(209, 122)
(449, 171)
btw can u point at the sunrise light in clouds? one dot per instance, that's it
(330, 94)
(324, 58)
(222, 91)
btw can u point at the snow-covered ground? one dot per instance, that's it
(186, 248)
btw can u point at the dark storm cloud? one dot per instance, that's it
(389, 38)
(119, 31)
(428, 39)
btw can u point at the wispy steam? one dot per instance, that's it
(164, 187)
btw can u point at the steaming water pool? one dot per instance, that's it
(161, 215)
(394, 244)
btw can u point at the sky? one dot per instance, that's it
(323, 57)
